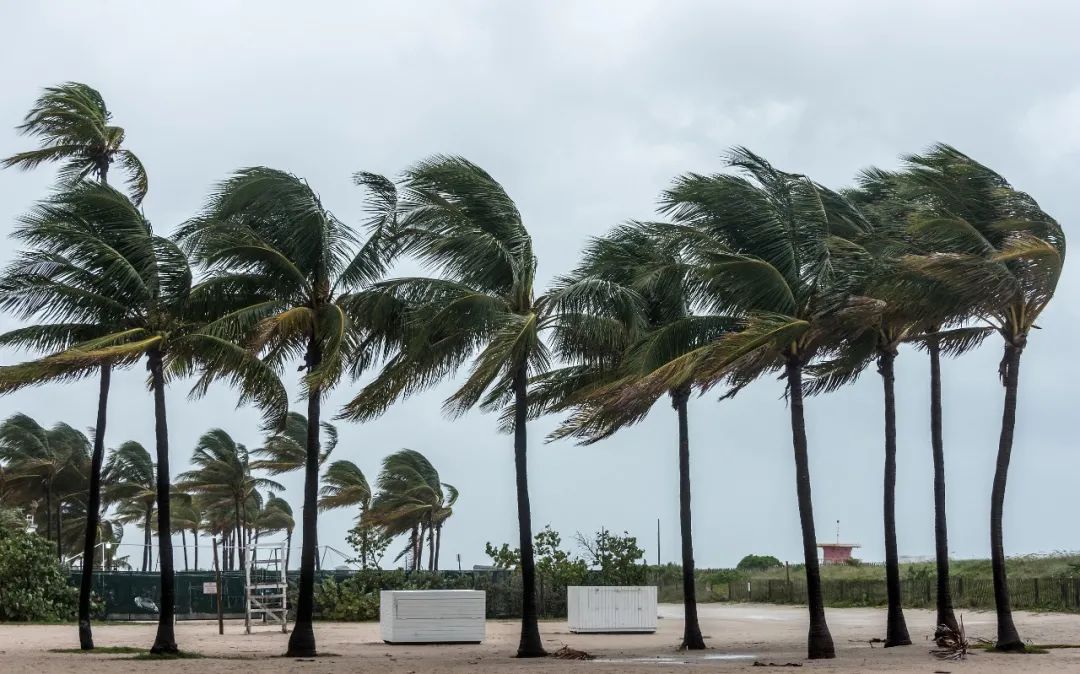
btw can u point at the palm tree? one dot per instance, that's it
(344, 486)
(762, 247)
(132, 483)
(222, 470)
(441, 514)
(147, 279)
(186, 516)
(411, 499)
(995, 247)
(626, 311)
(886, 306)
(461, 224)
(72, 123)
(273, 249)
(277, 515)
(44, 463)
(284, 450)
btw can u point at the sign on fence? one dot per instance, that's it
(209, 588)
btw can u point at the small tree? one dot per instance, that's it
(370, 544)
(618, 558)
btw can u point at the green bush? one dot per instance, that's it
(33, 585)
(346, 600)
(758, 563)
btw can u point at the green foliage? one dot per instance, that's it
(613, 559)
(33, 585)
(555, 564)
(348, 600)
(503, 557)
(758, 562)
(619, 559)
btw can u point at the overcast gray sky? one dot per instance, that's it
(584, 112)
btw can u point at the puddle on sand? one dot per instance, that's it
(669, 660)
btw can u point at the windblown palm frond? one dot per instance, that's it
(73, 126)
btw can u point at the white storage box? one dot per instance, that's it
(611, 609)
(431, 616)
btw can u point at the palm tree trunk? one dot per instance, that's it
(48, 510)
(692, 639)
(438, 545)
(146, 540)
(302, 639)
(288, 548)
(1008, 639)
(431, 548)
(896, 632)
(239, 533)
(195, 545)
(59, 527)
(165, 640)
(412, 547)
(819, 641)
(530, 645)
(183, 544)
(945, 615)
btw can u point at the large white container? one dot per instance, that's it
(431, 616)
(611, 609)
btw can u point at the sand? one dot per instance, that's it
(738, 636)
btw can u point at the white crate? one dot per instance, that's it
(611, 609)
(431, 616)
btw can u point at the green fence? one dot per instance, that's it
(1044, 594)
(133, 595)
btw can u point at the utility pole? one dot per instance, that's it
(220, 613)
(658, 542)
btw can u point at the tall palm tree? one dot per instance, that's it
(762, 244)
(273, 249)
(132, 483)
(148, 280)
(994, 246)
(887, 306)
(72, 122)
(222, 470)
(480, 306)
(624, 312)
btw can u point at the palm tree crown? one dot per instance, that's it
(72, 123)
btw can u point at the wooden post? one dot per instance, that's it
(220, 612)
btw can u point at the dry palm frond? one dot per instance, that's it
(567, 653)
(952, 644)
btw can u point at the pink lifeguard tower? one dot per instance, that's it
(836, 553)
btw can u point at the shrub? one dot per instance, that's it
(758, 563)
(33, 585)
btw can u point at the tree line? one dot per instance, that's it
(45, 475)
(753, 271)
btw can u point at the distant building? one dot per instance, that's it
(836, 553)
